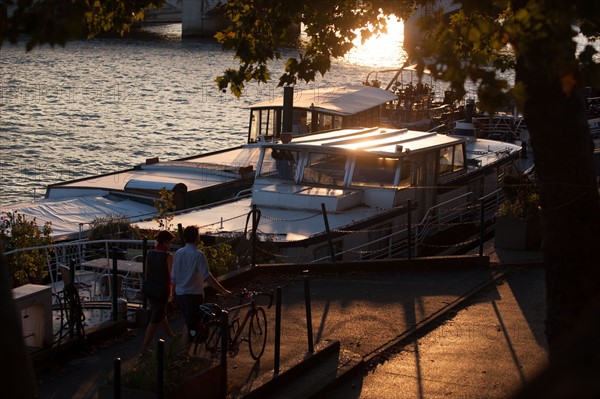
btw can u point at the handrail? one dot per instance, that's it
(422, 229)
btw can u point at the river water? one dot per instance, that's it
(103, 105)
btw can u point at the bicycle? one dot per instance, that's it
(255, 317)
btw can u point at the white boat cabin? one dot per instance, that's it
(317, 110)
(380, 168)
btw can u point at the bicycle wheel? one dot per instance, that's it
(257, 333)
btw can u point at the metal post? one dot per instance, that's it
(224, 349)
(331, 250)
(255, 219)
(309, 330)
(72, 270)
(117, 376)
(409, 223)
(481, 226)
(254, 227)
(113, 278)
(72, 313)
(144, 254)
(277, 331)
(160, 369)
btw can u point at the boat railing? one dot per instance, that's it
(459, 210)
(491, 203)
(438, 217)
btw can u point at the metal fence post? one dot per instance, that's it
(224, 349)
(481, 225)
(160, 369)
(326, 221)
(255, 220)
(144, 254)
(114, 279)
(72, 311)
(309, 330)
(277, 353)
(117, 376)
(409, 223)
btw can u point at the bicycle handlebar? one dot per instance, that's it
(253, 294)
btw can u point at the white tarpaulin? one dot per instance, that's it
(67, 215)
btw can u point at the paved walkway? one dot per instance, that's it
(485, 351)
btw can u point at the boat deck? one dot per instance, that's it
(195, 173)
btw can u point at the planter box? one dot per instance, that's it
(205, 384)
(517, 233)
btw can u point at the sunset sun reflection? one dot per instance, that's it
(384, 51)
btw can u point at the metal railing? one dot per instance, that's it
(462, 209)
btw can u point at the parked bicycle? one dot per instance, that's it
(255, 318)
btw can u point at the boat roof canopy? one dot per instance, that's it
(382, 141)
(342, 100)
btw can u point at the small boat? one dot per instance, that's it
(352, 193)
(207, 178)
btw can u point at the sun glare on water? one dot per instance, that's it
(384, 51)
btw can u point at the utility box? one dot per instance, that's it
(34, 305)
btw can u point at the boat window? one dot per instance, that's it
(405, 172)
(451, 159)
(265, 123)
(325, 122)
(300, 122)
(269, 123)
(254, 126)
(446, 155)
(325, 169)
(279, 164)
(459, 157)
(374, 171)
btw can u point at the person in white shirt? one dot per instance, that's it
(189, 275)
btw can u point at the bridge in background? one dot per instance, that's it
(197, 17)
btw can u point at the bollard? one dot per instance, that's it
(160, 369)
(309, 330)
(117, 375)
(277, 353)
(224, 349)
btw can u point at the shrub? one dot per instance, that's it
(522, 197)
(220, 257)
(112, 227)
(16, 232)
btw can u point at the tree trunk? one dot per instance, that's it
(563, 153)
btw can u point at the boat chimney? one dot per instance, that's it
(469, 110)
(288, 108)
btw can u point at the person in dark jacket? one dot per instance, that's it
(159, 263)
